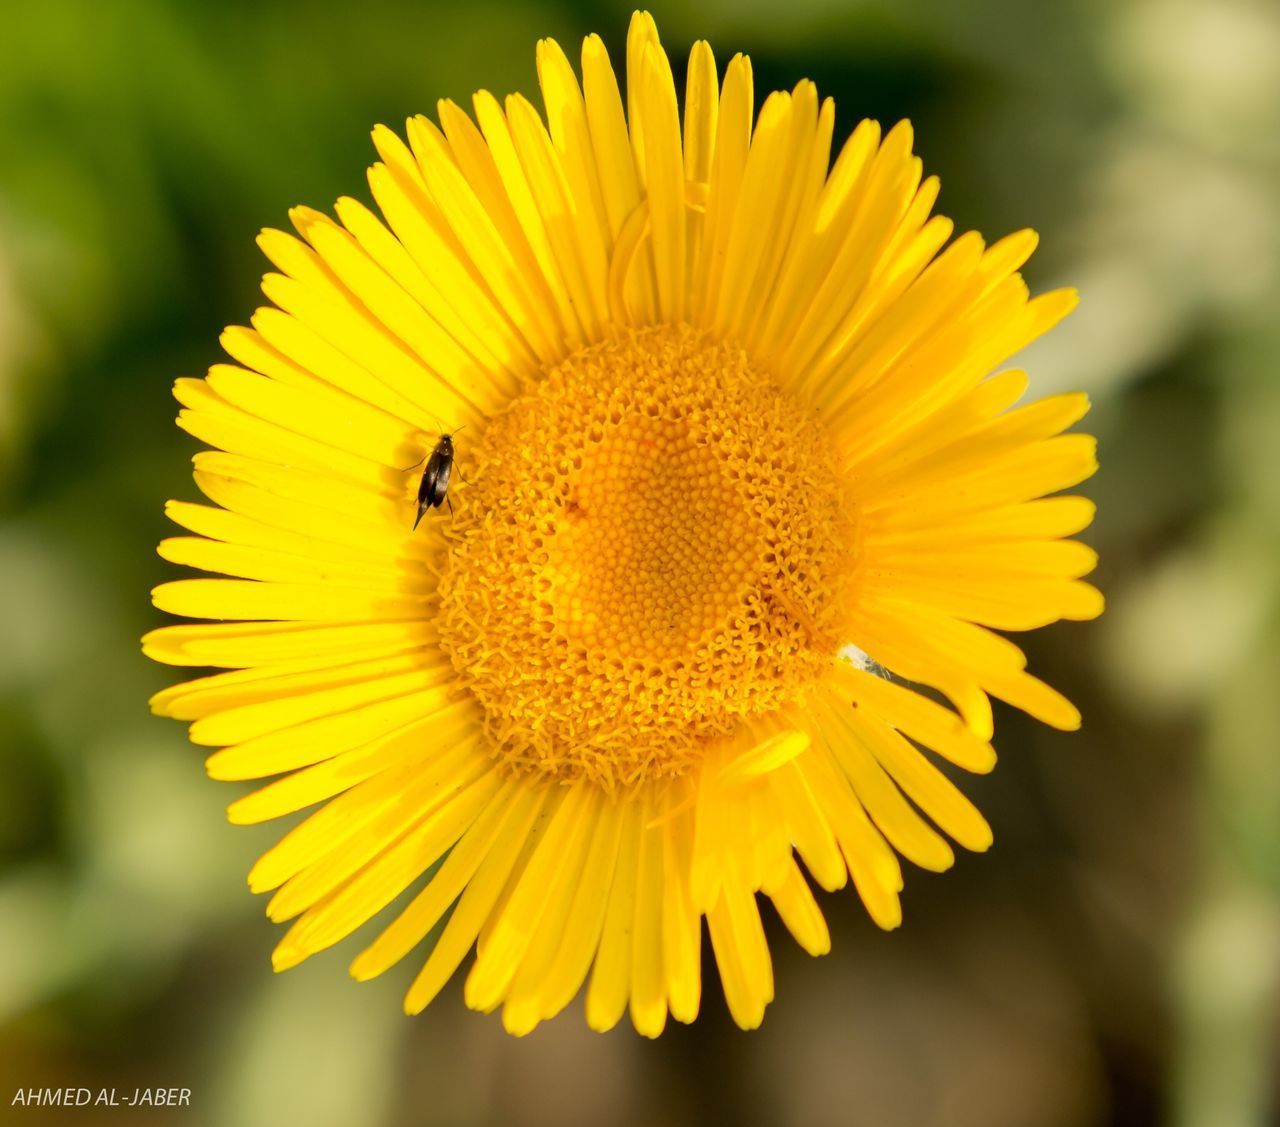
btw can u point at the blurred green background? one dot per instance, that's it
(1114, 960)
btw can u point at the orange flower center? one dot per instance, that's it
(652, 546)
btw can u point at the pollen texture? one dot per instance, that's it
(651, 546)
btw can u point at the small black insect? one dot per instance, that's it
(434, 487)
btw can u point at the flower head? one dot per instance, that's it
(724, 427)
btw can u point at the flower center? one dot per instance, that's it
(651, 547)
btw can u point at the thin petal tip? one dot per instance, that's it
(286, 957)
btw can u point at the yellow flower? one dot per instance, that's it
(724, 428)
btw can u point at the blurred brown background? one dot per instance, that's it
(1113, 961)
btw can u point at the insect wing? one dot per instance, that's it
(435, 478)
(443, 471)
